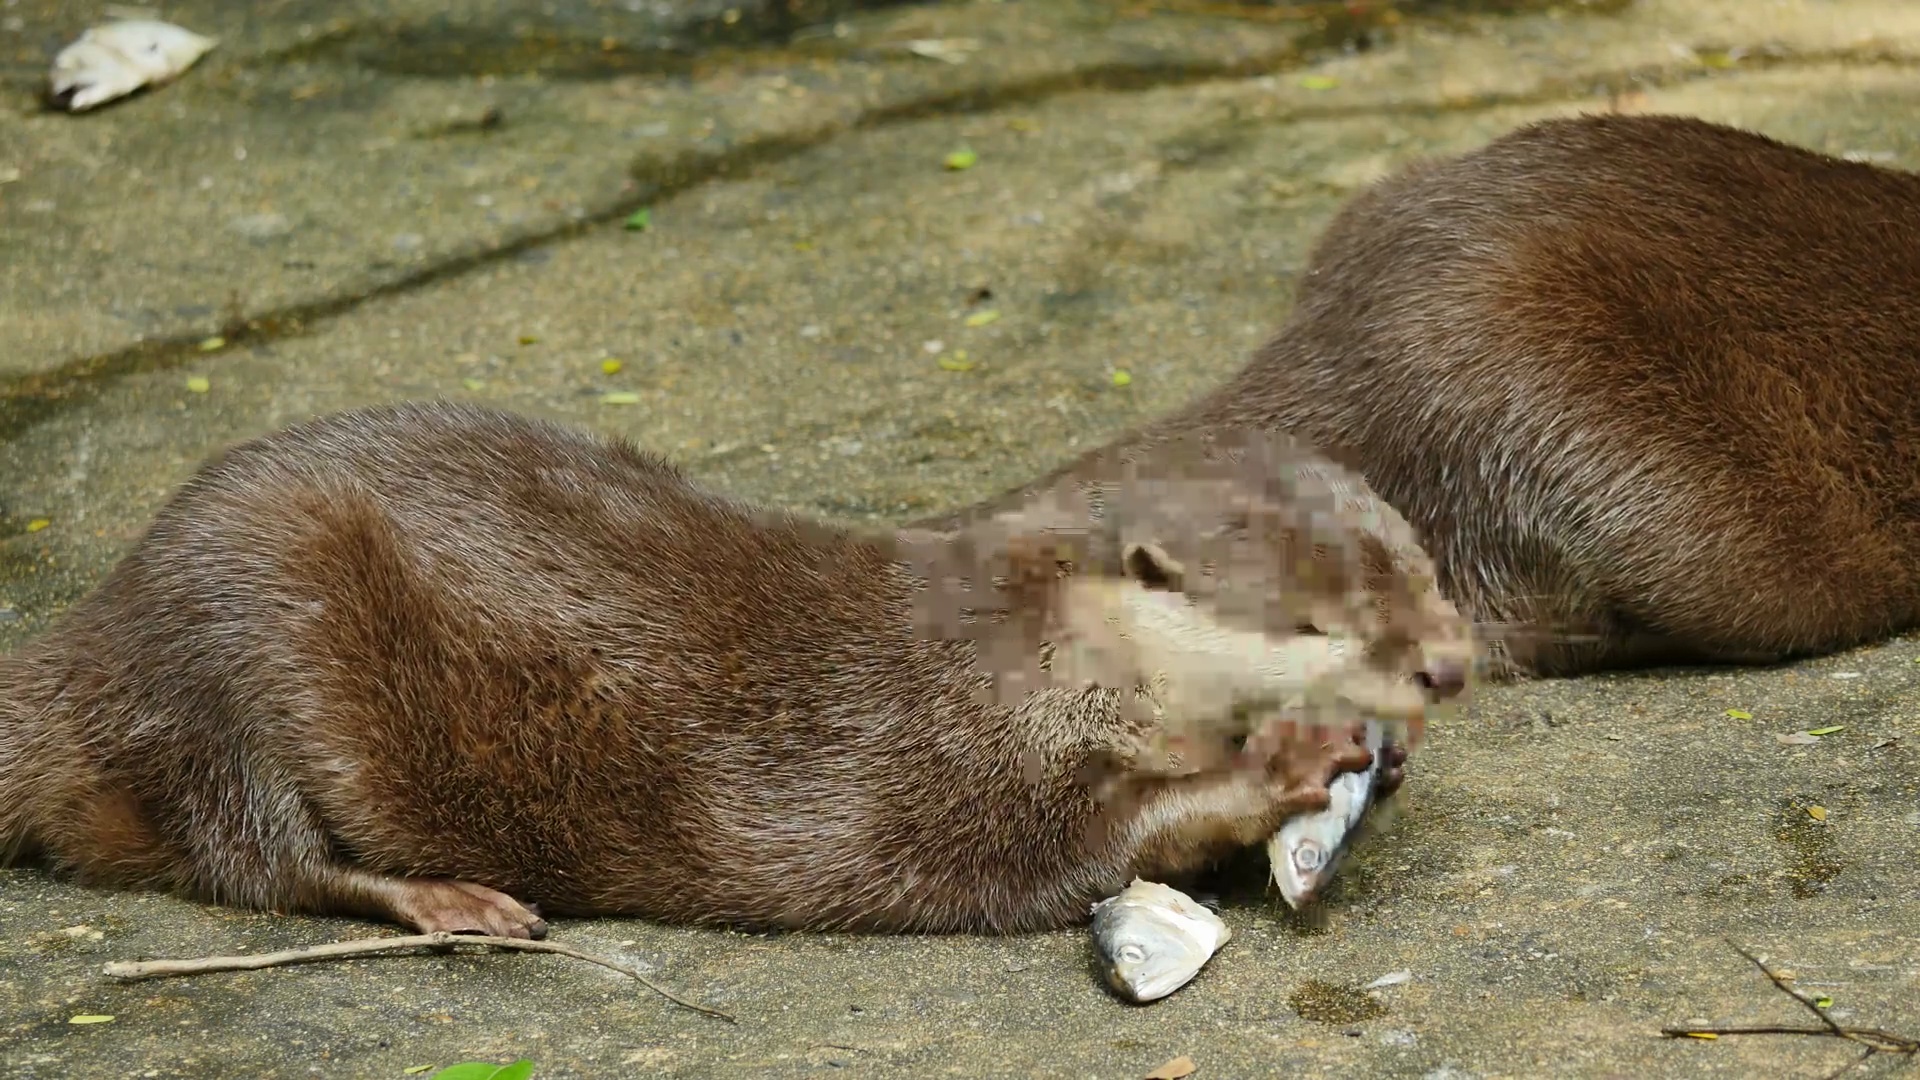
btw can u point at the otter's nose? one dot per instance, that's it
(1443, 678)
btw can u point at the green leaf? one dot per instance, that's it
(198, 384)
(88, 1018)
(1739, 714)
(1123, 377)
(640, 220)
(415, 1070)
(620, 397)
(1823, 1001)
(486, 1070)
(962, 159)
(1318, 82)
(1827, 730)
(982, 318)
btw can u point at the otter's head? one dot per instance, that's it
(1234, 580)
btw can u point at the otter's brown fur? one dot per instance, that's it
(413, 662)
(1648, 388)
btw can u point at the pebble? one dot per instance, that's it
(261, 226)
(1399, 1038)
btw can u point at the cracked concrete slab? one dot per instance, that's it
(1571, 853)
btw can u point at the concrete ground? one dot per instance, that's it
(368, 201)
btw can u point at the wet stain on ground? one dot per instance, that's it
(1328, 1003)
(584, 50)
(1812, 863)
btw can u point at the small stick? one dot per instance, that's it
(133, 971)
(1876, 1040)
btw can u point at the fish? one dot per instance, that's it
(1308, 848)
(112, 61)
(1153, 939)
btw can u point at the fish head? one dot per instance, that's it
(1152, 945)
(1306, 852)
(1302, 870)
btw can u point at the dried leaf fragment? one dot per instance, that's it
(1817, 813)
(1179, 1067)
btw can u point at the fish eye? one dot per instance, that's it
(1308, 858)
(1133, 954)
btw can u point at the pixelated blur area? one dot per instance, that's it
(1239, 522)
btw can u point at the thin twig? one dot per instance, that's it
(132, 971)
(1875, 1040)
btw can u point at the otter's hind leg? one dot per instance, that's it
(432, 904)
(272, 850)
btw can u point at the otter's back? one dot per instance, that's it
(1657, 370)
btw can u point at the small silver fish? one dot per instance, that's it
(1153, 939)
(114, 60)
(1309, 847)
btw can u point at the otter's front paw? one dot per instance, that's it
(1302, 760)
(1393, 771)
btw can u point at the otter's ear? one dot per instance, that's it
(1000, 582)
(1257, 535)
(1151, 567)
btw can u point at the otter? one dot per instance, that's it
(1646, 387)
(462, 670)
